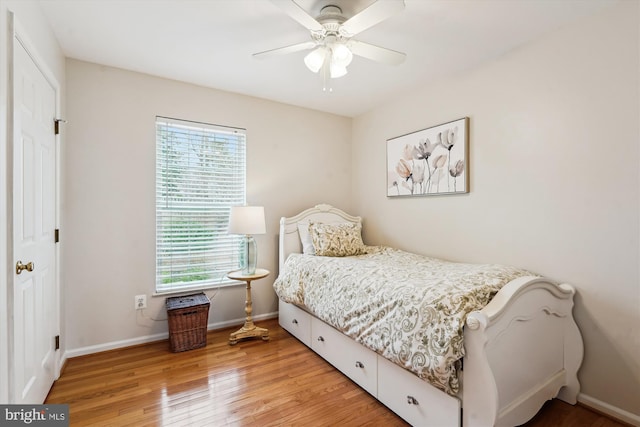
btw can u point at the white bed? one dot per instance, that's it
(521, 349)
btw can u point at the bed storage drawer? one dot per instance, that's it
(355, 361)
(414, 399)
(296, 321)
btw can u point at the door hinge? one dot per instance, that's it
(56, 235)
(56, 125)
(57, 342)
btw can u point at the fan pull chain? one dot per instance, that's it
(326, 80)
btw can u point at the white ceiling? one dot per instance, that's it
(211, 42)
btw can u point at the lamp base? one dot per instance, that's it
(251, 255)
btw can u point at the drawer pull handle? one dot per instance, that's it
(411, 400)
(295, 322)
(359, 365)
(320, 338)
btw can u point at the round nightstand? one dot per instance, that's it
(249, 330)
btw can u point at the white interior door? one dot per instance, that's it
(34, 209)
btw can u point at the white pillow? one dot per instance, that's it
(305, 239)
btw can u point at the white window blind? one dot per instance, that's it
(200, 174)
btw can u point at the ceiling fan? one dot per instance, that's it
(332, 36)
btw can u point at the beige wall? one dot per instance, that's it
(295, 158)
(555, 183)
(554, 138)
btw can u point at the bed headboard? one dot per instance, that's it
(289, 238)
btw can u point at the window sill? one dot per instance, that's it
(196, 289)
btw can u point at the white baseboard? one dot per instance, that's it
(83, 351)
(609, 409)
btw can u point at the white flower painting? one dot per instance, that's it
(430, 161)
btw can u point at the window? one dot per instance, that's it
(200, 174)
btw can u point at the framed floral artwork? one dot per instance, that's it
(429, 162)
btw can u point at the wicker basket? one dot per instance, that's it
(188, 316)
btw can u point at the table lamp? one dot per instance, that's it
(248, 220)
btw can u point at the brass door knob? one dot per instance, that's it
(20, 267)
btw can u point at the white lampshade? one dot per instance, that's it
(341, 55)
(337, 71)
(315, 59)
(247, 220)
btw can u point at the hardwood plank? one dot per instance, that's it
(274, 383)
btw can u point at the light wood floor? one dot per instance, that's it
(254, 383)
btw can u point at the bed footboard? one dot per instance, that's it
(522, 349)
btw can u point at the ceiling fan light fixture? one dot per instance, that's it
(315, 59)
(332, 35)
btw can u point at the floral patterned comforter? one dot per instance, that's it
(408, 308)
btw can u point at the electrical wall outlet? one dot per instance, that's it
(141, 302)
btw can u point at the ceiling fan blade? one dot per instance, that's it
(287, 49)
(376, 53)
(292, 9)
(372, 15)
